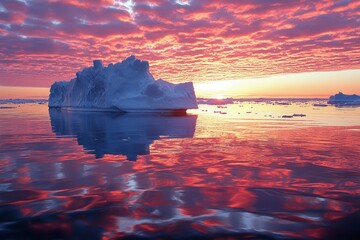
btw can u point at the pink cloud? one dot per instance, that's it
(195, 40)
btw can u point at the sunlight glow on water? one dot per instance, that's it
(239, 170)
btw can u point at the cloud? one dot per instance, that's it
(6, 17)
(13, 5)
(183, 40)
(13, 45)
(331, 22)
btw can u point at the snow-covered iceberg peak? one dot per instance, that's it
(342, 99)
(125, 86)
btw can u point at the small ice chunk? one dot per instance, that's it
(320, 105)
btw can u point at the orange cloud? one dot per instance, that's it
(44, 41)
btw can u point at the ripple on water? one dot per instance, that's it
(228, 175)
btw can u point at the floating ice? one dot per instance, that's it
(215, 101)
(22, 101)
(320, 105)
(344, 100)
(299, 115)
(282, 103)
(125, 86)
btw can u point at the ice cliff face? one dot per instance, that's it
(344, 100)
(125, 86)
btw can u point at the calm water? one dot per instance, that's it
(238, 172)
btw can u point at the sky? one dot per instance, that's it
(234, 48)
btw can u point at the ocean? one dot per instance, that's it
(254, 169)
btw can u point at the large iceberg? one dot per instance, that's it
(126, 86)
(344, 100)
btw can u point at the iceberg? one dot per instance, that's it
(342, 99)
(127, 86)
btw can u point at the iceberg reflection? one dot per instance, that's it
(120, 134)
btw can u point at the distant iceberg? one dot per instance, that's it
(22, 101)
(215, 101)
(344, 100)
(127, 86)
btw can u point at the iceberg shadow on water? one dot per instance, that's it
(125, 134)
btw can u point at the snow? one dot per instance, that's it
(125, 86)
(342, 99)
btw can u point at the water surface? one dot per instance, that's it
(236, 171)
